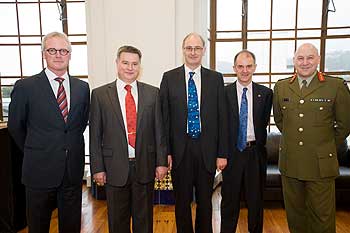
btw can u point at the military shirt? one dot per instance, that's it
(312, 124)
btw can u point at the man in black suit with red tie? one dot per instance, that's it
(194, 115)
(248, 107)
(47, 117)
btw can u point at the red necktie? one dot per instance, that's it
(131, 117)
(62, 99)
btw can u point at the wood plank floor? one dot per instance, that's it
(94, 218)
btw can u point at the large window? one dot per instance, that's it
(24, 22)
(273, 29)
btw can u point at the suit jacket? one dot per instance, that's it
(262, 103)
(108, 142)
(312, 124)
(212, 115)
(37, 126)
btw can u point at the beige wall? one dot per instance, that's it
(156, 27)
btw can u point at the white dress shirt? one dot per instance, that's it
(249, 93)
(197, 81)
(55, 84)
(121, 96)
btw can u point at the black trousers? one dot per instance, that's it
(247, 169)
(134, 200)
(41, 202)
(191, 172)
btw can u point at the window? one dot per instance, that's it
(273, 29)
(27, 21)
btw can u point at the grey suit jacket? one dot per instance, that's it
(108, 142)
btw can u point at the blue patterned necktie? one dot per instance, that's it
(192, 109)
(243, 122)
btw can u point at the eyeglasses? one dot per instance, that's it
(196, 49)
(53, 51)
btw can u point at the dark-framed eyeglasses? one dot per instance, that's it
(196, 49)
(53, 51)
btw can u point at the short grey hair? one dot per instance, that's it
(55, 34)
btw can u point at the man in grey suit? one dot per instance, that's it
(48, 115)
(127, 145)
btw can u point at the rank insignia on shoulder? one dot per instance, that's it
(320, 100)
(285, 99)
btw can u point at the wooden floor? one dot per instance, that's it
(94, 218)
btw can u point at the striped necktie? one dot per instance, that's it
(62, 99)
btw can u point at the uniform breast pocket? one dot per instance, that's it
(323, 113)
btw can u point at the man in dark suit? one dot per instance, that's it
(47, 117)
(194, 115)
(127, 145)
(249, 107)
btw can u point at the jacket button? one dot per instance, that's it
(300, 129)
(301, 101)
(321, 108)
(330, 155)
(301, 115)
(301, 143)
(284, 107)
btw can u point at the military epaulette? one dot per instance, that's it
(320, 77)
(293, 78)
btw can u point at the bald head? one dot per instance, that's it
(306, 60)
(307, 47)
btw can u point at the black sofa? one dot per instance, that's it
(273, 188)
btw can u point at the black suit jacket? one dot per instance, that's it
(212, 114)
(37, 126)
(108, 142)
(262, 103)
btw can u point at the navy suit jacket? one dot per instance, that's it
(38, 128)
(212, 114)
(262, 103)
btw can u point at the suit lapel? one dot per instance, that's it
(204, 86)
(115, 104)
(46, 89)
(294, 86)
(140, 104)
(256, 102)
(234, 101)
(181, 81)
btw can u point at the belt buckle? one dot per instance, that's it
(248, 144)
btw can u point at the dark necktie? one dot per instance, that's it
(130, 108)
(192, 109)
(243, 122)
(62, 99)
(303, 86)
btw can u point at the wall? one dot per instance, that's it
(156, 27)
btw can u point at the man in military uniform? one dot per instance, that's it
(309, 112)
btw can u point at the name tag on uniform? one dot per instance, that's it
(323, 100)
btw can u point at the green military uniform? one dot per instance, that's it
(313, 121)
